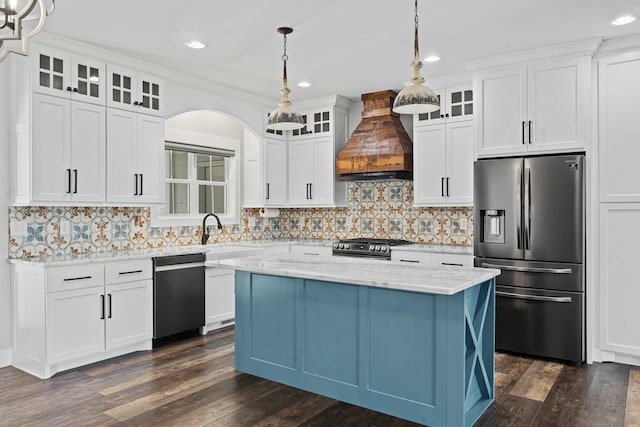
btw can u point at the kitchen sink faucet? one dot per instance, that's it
(205, 235)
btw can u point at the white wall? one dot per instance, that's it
(5, 288)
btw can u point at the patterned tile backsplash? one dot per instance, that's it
(381, 209)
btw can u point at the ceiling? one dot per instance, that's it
(345, 47)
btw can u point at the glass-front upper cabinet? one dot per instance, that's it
(70, 76)
(134, 91)
(456, 105)
(317, 123)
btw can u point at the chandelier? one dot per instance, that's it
(19, 21)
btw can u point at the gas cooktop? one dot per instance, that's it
(370, 248)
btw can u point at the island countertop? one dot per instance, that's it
(443, 280)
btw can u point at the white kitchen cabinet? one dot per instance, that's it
(90, 312)
(67, 153)
(432, 259)
(62, 74)
(219, 298)
(135, 158)
(131, 90)
(75, 324)
(456, 104)
(443, 164)
(540, 108)
(618, 113)
(275, 172)
(618, 281)
(318, 122)
(312, 176)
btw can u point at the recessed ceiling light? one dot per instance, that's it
(432, 58)
(304, 84)
(623, 20)
(195, 44)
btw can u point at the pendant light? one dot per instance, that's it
(285, 117)
(416, 98)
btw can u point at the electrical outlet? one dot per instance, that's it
(463, 223)
(65, 227)
(18, 228)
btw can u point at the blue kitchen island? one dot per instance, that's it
(410, 341)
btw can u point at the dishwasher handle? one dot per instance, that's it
(162, 268)
(533, 297)
(528, 269)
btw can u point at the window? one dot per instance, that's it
(197, 181)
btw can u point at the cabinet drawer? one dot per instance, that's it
(128, 271)
(456, 260)
(424, 258)
(311, 250)
(74, 277)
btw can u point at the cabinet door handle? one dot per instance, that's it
(307, 195)
(523, 124)
(533, 297)
(135, 179)
(141, 185)
(529, 131)
(75, 89)
(110, 312)
(130, 272)
(415, 261)
(447, 186)
(311, 191)
(71, 279)
(135, 102)
(69, 89)
(452, 263)
(68, 181)
(102, 305)
(75, 181)
(267, 191)
(442, 186)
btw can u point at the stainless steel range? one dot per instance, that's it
(369, 248)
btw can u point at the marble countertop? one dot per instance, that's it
(358, 271)
(106, 256)
(449, 249)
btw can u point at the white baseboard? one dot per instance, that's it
(5, 358)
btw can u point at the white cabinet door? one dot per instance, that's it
(50, 148)
(275, 172)
(128, 313)
(556, 102)
(219, 295)
(618, 115)
(150, 95)
(88, 80)
(459, 103)
(459, 186)
(51, 72)
(75, 324)
(122, 90)
(619, 290)
(429, 151)
(300, 171)
(322, 186)
(501, 111)
(150, 159)
(88, 151)
(122, 153)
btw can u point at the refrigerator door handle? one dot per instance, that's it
(527, 269)
(518, 212)
(533, 297)
(527, 210)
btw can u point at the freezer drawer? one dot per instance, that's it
(540, 323)
(554, 276)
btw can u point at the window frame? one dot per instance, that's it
(231, 187)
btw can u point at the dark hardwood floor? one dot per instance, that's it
(192, 383)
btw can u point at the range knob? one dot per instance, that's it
(335, 246)
(377, 247)
(372, 248)
(347, 246)
(341, 245)
(384, 249)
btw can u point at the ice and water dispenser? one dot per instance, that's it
(492, 225)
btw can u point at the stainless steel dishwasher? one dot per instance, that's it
(178, 294)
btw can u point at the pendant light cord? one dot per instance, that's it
(285, 57)
(416, 52)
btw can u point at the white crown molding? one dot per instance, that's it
(450, 80)
(564, 50)
(619, 45)
(311, 103)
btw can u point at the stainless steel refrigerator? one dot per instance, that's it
(529, 220)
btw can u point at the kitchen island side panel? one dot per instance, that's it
(423, 357)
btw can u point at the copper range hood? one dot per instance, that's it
(379, 147)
